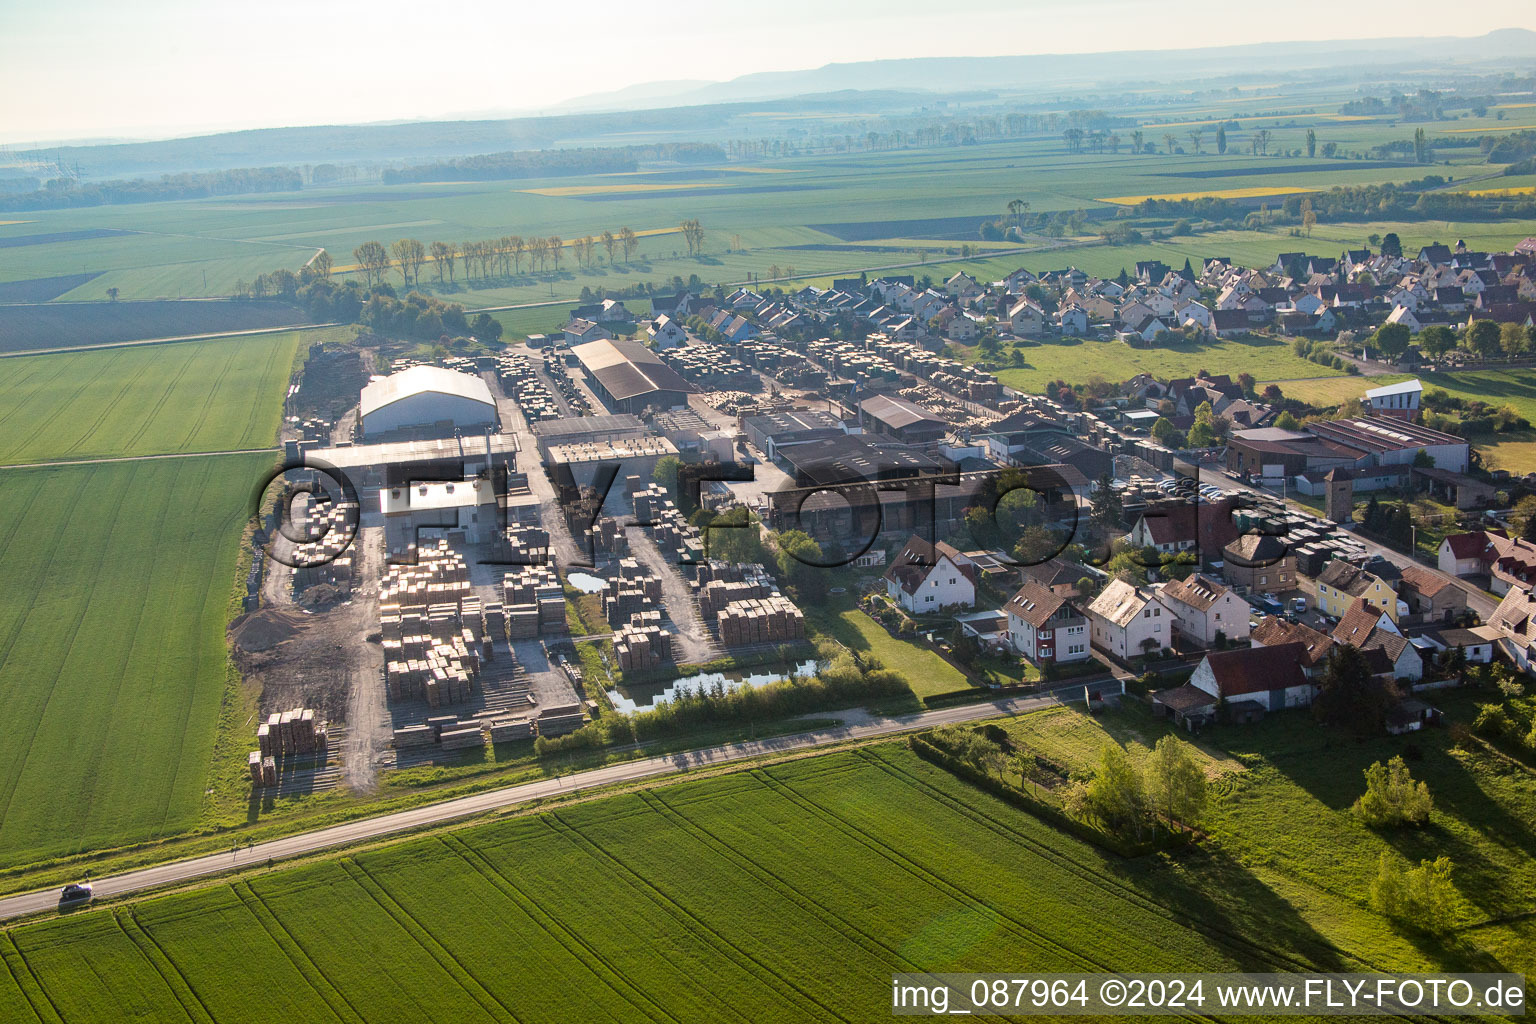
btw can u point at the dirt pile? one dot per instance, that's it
(265, 629)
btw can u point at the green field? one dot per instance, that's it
(789, 892)
(203, 396)
(923, 667)
(1327, 391)
(112, 654)
(1075, 360)
(824, 214)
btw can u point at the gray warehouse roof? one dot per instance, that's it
(626, 369)
(424, 380)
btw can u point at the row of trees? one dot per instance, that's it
(1484, 338)
(497, 257)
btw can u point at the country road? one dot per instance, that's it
(858, 725)
(139, 458)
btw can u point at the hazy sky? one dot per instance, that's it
(144, 68)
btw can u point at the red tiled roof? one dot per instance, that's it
(1257, 669)
(1034, 604)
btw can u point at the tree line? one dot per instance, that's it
(553, 163)
(500, 257)
(63, 193)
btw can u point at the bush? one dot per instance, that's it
(1392, 797)
(1421, 898)
(1492, 721)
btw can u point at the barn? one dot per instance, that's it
(426, 401)
(629, 378)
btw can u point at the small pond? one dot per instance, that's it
(645, 698)
(586, 582)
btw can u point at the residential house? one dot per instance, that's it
(1369, 628)
(1477, 643)
(1045, 627)
(1252, 680)
(1430, 596)
(1260, 564)
(1026, 319)
(1340, 584)
(666, 333)
(1203, 608)
(1275, 630)
(1128, 622)
(1206, 527)
(1515, 621)
(926, 577)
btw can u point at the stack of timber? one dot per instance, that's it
(772, 619)
(632, 589)
(432, 628)
(642, 644)
(535, 602)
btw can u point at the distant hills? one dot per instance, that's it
(705, 111)
(1024, 73)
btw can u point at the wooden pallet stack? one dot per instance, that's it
(432, 625)
(285, 734)
(766, 620)
(642, 644)
(632, 589)
(608, 537)
(529, 545)
(535, 601)
(559, 719)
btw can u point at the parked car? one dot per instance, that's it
(1298, 605)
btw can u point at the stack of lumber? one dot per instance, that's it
(431, 627)
(642, 645)
(559, 719)
(505, 729)
(529, 545)
(773, 619)
(608, 537)
(535, 601)
(716, 594)
(633, 589)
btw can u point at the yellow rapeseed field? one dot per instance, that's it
(1219, 193)
(1484, 192)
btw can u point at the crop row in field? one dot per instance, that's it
(784, 893)
(112, 654)
(201, 396)
(58, 325)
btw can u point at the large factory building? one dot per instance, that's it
(426, 401)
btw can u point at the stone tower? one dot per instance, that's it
(1339, 505)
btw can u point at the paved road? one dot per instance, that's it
(1477, 600)
(169, 340)
(140, 458)
(857, 726)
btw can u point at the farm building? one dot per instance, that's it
(629, 377)
(901, 420)
(426, 401)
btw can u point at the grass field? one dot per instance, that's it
(789, 892)
(1075, 360)
(1515, 451)
(1326, 391)
(112, 654)
(198, 396)
(925, 670)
